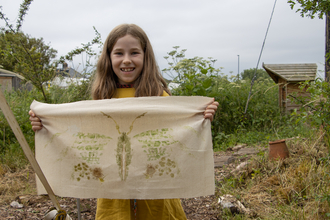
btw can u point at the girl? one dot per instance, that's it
(127, 68)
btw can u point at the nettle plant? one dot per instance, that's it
(194, 76)
(316, 108)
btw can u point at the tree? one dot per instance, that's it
(30, 57)
(12, 51)
(310, 8)
(249, 73)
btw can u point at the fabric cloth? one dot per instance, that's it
(123, 209)
(151, 149)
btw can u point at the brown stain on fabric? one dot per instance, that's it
(84, 171)
(150, 171)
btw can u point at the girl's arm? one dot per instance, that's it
(210, 110)
(35, 121)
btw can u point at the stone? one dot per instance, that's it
(16, 205)
(223, 160)
(238, 147)
(235, 206)
(246, 151)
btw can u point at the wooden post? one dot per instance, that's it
(9, 115)
(327, 48)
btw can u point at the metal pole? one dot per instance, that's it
(238, 69)
(327, 47)
(78, 208)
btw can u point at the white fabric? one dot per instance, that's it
(129, 148)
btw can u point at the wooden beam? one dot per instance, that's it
(327, 47)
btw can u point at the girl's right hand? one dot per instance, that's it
(35, 121)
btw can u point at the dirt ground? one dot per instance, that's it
(34, 207)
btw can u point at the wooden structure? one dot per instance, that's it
(288, 77)
(10, 80)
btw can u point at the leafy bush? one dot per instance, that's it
(10, 150)
(72, 93)
(315, 109)
(19, 102)
(197, 76)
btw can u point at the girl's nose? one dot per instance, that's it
(127, 60)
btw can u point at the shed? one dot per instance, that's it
(288, 77)
(10, 80)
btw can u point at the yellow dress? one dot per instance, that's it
(123, 209)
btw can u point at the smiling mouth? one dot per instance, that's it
(127, 69)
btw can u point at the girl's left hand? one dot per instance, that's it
(210, 110)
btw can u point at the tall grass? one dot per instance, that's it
(295, 188)
(11, 153)
(19, 101)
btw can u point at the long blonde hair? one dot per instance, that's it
(149, 83)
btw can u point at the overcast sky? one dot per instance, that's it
(222, 29)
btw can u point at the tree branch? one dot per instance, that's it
(301, 102)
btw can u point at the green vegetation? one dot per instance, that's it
(19, 101)
(310, 8)
(263, 121)
(32, 57)
(295, 188)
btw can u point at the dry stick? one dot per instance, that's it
(26, 148)
(260, 91)
(301, 102)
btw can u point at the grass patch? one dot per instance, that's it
(13, 184)
(295, 188)
(262, 137)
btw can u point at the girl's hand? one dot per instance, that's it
(35, 121)
(210, 110)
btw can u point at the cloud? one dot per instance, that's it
(210, 28)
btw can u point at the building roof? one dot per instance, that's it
(291, 72)
(4, 72)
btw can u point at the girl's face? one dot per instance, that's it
(127, 59)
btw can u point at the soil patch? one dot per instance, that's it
(20, 187)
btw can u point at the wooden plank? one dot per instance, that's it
(292, 76)
(289, 108)
(297, 86)
(295, 79)
(301, 75)
(291, 90)
(297, 65)
(296, 70)
(26, 148)
(6, 83)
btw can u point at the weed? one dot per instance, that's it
(294, 188)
